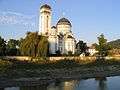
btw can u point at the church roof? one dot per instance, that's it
(69, 36)
(64, 21)
(53, 27)
(45, 6)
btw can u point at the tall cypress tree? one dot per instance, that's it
(102, 46)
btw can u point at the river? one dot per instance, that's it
(106, 83)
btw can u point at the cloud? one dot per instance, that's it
(14, 18)
(18, 14)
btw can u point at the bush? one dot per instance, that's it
(69, 53)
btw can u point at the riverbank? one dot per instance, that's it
(17, 73)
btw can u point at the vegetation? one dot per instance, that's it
(114, 52)
(2, 46)
(37, 46)
(115, 44)
(19, 69)
(113, 47)
(81, 48)
(69, 53)
(34, 45)
(102, 46)
(12, 47)
(9, 48)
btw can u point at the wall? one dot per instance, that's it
(71, 58)
(22, 58)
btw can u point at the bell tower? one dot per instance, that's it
(45, 20)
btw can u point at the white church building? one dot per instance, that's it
(60, 36)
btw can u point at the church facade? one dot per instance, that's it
(60, 36)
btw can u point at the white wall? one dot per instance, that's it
(69, 45)
(92, 51)
(52, 44)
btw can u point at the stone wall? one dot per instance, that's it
(71, 58)
(22, 58)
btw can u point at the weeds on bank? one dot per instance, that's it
(15, 68)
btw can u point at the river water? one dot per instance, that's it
(106, 83)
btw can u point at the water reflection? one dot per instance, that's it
(12, 88)
(26, 88)
(67, 85)
(70, 85)
(100, 83)
(34, 88)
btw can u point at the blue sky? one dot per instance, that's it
(89, 18)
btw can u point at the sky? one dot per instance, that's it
(89, 18)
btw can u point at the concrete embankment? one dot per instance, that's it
(22, 58)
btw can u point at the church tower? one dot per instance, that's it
(45, 20)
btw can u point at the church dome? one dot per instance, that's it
(64, 21)
(45, 6)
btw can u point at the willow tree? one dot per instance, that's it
(34, 45)
(42, 50)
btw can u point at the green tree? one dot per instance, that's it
(102, 46)
(70, 53)
(81, 48)
(12, 47)
(2, 46)
(34, 45)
